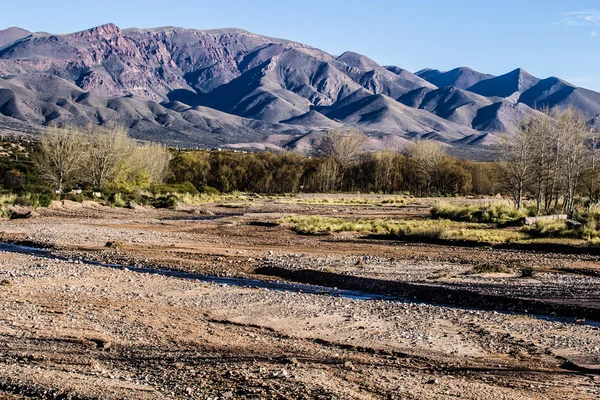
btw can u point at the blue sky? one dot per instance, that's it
(545, 37)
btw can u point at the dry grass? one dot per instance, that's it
(357, 201)
(408, 229)
(209, 198)
(500, 213)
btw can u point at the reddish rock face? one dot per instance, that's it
(150, 63)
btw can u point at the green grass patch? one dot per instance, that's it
(498, 213)
(407, 229)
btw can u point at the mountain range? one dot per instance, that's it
(232, 88)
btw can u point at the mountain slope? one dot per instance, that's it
(461, 78)
(517, 81)
(11, 35)
(553, 92)
(230, 87)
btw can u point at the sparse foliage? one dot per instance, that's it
(62, 154)
(100, 157)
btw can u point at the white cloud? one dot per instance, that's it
(581, 18)
(594, 34)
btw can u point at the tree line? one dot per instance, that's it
(105, 159)
(338, 164)
(553, 159)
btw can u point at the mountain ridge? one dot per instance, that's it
(230, 87)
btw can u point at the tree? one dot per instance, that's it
(62, 153)
(516, 161)
(108, 150)
(154, 158)
(427, 158)
(190, 166)
(574, 128)
(592, 173)
(342, 147)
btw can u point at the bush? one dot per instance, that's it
(167, 201)
(78, 198)
(498, 213)
(116, 200)
(41, 200)
(487, 268)
(210, 190)
(23, 201)
(556, 228)
(181, 188)
(527, 272)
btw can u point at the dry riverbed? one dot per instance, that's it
(406, 320)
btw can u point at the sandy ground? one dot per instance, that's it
(72, 327)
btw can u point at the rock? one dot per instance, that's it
(227, 395)
(114, 245)
(132, 205)
(572, 224)
(349, 365)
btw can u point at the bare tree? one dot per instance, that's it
(575, 130)
(154, 158)
(343, 147)
(592, 174)
(541, 131)
(516, 161)
(62, 155)
(108, 149)
(387, 172)
(428, 157)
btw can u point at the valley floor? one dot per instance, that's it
(146, 304)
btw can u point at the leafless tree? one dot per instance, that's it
(573, 127)
(343, 147)
(516, 161)
(541, 131)
(62, 154)
(108, 149)
(428, 157)
(592, 173)
(154, 159)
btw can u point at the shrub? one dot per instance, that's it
(79, 198)
(210, 190)
(167, 201)
(41, 200)
(181, 188)
(498, 213)
(23, 201)
(527, 272)
(116, 200)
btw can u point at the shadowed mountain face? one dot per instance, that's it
(233, 88)
(461, 78)
(517, 81)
